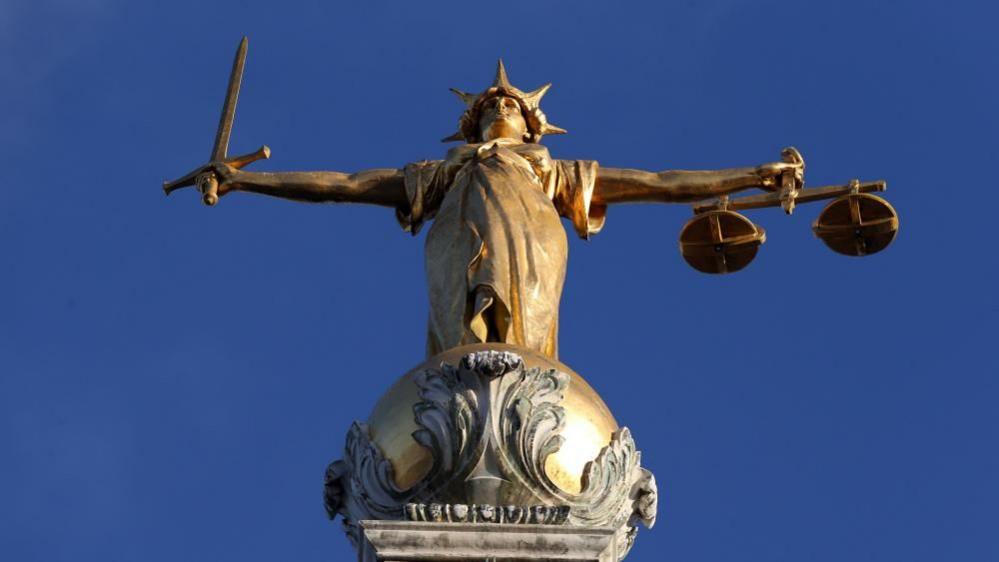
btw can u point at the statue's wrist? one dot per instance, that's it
(758, 176)
(238, 179)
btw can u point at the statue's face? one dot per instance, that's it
(501, 118)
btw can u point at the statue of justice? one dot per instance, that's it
(496, 250)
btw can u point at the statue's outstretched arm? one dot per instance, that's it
(622, 185)
(377, 187)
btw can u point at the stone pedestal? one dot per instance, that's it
(397, 541)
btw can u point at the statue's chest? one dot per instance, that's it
(521, 166)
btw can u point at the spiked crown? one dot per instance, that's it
(537, 123)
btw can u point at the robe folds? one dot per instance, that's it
(496, 252)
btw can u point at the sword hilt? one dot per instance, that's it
(208, 185)
(238, 162)
(207, 181)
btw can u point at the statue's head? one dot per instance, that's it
(502, 116)
(503, 111)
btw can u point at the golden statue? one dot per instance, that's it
(491, 428)
(496, 251)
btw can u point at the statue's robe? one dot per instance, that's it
(496, 252)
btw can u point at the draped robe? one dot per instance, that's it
(496, 252)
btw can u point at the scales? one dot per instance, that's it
(855, 223)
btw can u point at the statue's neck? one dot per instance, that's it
(501, 130)
(504, 141)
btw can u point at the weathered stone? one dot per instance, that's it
(405, 540)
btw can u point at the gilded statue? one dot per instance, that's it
(496, 248)
(491, 432)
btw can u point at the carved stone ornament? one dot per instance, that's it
(508, 514)
(490, 425)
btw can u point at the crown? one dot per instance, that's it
(537, 123)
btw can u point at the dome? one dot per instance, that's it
(587, 425)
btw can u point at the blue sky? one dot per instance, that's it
(175, 378)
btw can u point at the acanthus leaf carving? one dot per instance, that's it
(448, 416)
(530, 421)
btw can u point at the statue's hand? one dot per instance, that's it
(215, 180)
(226, 175)
(770, 174)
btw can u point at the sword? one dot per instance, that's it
(207, 180)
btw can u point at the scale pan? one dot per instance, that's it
(720, 241)
(859, 224)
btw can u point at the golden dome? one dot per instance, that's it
(588, 427)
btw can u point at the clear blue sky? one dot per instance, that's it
(175, 378)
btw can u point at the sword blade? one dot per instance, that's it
(221, 148)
